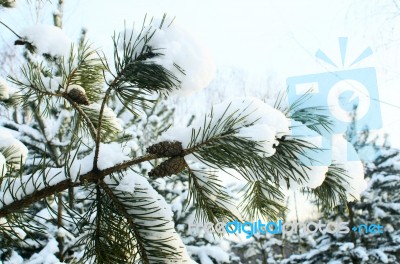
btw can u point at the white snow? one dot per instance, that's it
(205, 252)
(52, 84)
(178, 132)
(180, 47)
(28, 133)
(341, 149)
(335, 262)
(21, 234)
(109, 155)
(47, 254)
(108, 115)
(361, 253)
(53, 126)
(263, 134)
(25, 185)
(340, 152)
(355, 169)
(127, 184)
(19, 150)
(381, 254)
(61, 232)
(4, 90)
(346, 246)
(149, 198)
(258, 122)
(3, 167)
(317, 165)
(378, 213)
(5, 134)
(14, 259)
(48, 39)
(315, 177)
(255, 111)
(388, 205)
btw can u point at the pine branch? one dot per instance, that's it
(91, 177)
(34, 88)
(92, 129)
(98, 137)
(217, 146)
(209, 197)
(113, 85)
(128, 217)
(314, 117)
(85, 69)
(27, 200)
(151, 218)
(332, 192)
(147, 77)
(106, 235)
(136, 76)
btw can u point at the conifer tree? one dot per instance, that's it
(378, 205)
(82, 153)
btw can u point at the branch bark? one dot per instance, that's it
(36, 196)
(91, 177)
(83, 114)
(98, 136)
(111, 86)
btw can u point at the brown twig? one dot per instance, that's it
(98, 136)
(90, 177)
(111, 86)
(36, 196)
(83, 114)
(11, 30)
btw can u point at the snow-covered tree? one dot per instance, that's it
(379, 205)
(89, 155)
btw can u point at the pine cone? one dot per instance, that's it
(166, 149)
(77, 94)
(171, 166)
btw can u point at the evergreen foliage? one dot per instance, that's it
(379, 204)
(82, 194)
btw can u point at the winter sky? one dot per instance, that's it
(271, 39)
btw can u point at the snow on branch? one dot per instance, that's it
(46, 39)
(150, 216)
(165, 43)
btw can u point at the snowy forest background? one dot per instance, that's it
(378, 203)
